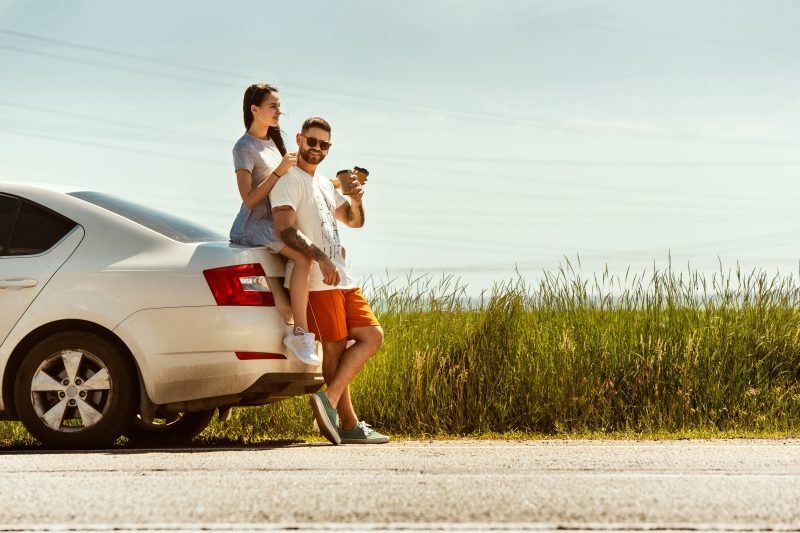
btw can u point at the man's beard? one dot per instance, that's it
(312, 159)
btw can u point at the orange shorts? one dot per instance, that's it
(331, 314)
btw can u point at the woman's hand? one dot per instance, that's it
(289, 160)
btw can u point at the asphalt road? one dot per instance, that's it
(456, 485)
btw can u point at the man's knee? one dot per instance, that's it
(378, 337)
(371, 336)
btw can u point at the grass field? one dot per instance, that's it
(651, 354)
(645, 354)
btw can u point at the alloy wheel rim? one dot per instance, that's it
(71, 391)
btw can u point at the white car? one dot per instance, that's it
(119, 319)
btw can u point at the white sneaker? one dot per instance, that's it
(303, 347)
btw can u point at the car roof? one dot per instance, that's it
(86, 212)
(15, 187)
(56, 197)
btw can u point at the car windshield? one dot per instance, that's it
(168, 225)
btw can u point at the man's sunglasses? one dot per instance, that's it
(312, 142)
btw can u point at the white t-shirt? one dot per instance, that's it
(315, 201)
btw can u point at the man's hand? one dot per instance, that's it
(352, 213)
(330, 274)
(356, 190)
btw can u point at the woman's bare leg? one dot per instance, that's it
(298, 286)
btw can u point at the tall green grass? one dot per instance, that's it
(649, 352)
(663, 351)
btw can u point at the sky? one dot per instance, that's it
(501, 138)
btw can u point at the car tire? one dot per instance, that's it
(180, 430)
(76, 390)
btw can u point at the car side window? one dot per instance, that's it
(37, 230)
(8, 212)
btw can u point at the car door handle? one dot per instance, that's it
(9, 283)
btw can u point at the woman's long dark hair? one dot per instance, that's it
(254, 95)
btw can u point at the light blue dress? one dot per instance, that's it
(254, 227)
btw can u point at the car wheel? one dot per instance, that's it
(76, 390)
(178, 429)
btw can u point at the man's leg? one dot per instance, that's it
(340, 371)
(331, 355)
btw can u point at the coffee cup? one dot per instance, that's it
(361, 174)
(344, 177)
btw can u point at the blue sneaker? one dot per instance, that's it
(362, 434)
(327, 417)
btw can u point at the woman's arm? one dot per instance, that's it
(252, 196)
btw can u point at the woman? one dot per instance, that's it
(260, 159)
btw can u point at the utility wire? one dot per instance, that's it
(450, 190)
(548, 124)
(526, 14)
(183, 65)
(55, 138)
(187, 138)
(195, 136)
(113, 66)
(604, 255)
(481, 197)
(506, 178)
(522, 161)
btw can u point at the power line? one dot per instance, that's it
(55, 138)
(498, 118)
(113, 66)
(581, 162)
(504, 193)
(104, 134)
(179, 64)
(115, 122)
(511, 161)
(673, 37)
(614, 29)
(188, 138)
(449, 190)
(115, 53)
(603, 255)
(505, 179)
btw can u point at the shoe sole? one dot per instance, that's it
(324, 423)
(365, 441)
(299, 358)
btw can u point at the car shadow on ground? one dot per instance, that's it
(199, 447)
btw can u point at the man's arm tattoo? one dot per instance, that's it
(292, 238)
(355, 216)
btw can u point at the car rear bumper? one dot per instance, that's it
(189, 355)
(268, 388)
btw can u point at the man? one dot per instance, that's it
(305, 208)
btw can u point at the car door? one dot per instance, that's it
(34, 243)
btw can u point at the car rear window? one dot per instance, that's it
(37, 230)
(29, 229)
(8, 213)
(166, 224)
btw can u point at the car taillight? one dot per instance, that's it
(239, 285)
(258, 355)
